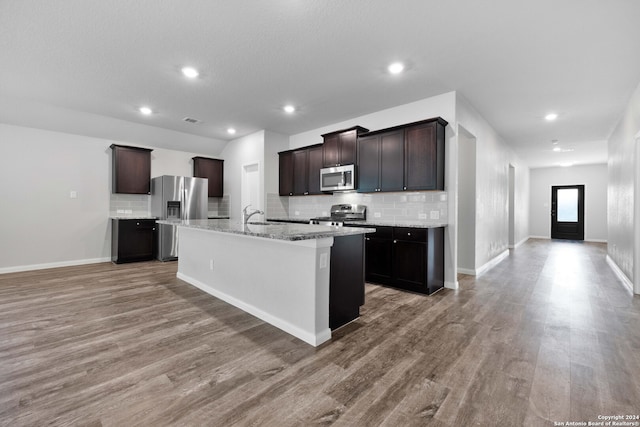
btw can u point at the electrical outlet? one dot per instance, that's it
(297, 212)
(73, 194)
(211, 264)
(377, 214)
(435, 214)
(120, 211)
(128, 211)
(422, 216)
(323, 260)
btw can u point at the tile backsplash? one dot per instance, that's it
(136, 205)
(133, 205)
(429, 207)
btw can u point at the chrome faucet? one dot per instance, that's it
(246, 215)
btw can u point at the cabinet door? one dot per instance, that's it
(300, 176)
(313, 170)
(348, 147)
(331, 150)
(285, 173)
(213, 170)
(409, 265)
(368, 164)
(378, 260)
(135, 240)
(421, 161)
(392, 161)
(131, 170)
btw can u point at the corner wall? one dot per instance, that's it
(622, 167)
(493, 157)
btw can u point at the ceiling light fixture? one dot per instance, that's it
(566, 165)
(551, 117)
(146, 111)
(289, 109)
(557, 149)
(190, 72)
(231, 131)
(396, 68)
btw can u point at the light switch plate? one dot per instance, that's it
(297, 212)
(323, 260)
(73, 194)
(422, 216)
(377, 214)
(435, 215)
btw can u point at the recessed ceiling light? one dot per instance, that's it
(551, 117)
(566, 165)
(231, 131)
(396, 68)
(145, 110)
(557, 149)
(289, 109)
(190, 72)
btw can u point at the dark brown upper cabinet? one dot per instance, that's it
(381, 161)
(424, 156)
(340, 147)
(285, 173)
(131, 169)
(313, 170)
(213, 170)
(300, 171)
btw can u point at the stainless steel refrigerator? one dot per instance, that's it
(180, 198)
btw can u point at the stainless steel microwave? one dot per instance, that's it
(338, 178)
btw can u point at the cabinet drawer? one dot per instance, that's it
(381, 232)
(410, 234)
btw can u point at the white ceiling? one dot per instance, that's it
(514, 61)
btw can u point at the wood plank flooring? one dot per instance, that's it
(548, 335)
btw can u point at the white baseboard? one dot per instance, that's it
(586, 240)
(451, 285)
(540, 237)
(72, 263)
(487, 266)
(628, 284)
(521, 242)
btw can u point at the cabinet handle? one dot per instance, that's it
(291, 194)
(153, 229)
(408, 234)
(137, 223)
(395, 241)
(306, 193)
(404, 188)
(367, 238)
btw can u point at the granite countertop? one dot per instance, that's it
(274, 230)
(134, 217)
(373, 223)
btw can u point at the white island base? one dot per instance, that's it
(283, 282)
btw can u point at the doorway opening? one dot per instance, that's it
(567, 212)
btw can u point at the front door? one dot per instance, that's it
(567, 212)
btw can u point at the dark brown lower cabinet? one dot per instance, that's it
(346, 283)
(132, 240)
(406, 257)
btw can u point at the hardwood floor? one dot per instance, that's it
(548, 335)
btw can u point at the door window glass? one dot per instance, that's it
(568, 205)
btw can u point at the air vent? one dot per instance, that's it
(191, 120)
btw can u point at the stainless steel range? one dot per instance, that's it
(342, 213)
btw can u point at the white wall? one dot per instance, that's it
(493, 157)
(237, 154)
(41, 225)
(593, 177)
(436, 106)
(622, 167)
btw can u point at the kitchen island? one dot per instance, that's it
(304, 279)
